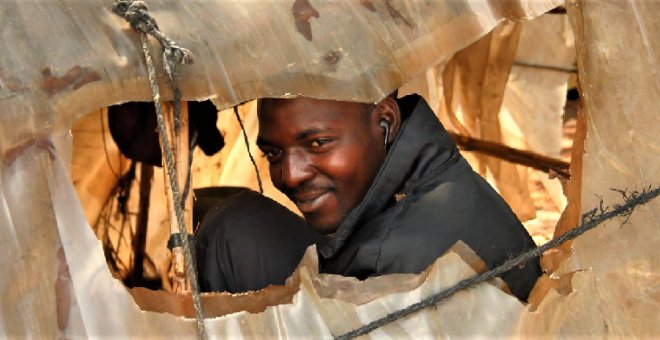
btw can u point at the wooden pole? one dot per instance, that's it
(140, 240)
(181, 148)
(507, 153)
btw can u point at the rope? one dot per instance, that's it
(136, 13)
(590, 220)
(171, 172)
(247, 145)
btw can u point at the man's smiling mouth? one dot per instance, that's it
(310, 201)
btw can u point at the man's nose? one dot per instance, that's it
(296, 169)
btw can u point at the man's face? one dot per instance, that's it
(323, 154)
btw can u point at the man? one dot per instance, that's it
(383, 182)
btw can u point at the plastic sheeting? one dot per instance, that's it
(616, 280)
(243, 49)
(55, 281)
(533, 103)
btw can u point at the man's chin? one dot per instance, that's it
(323, 226)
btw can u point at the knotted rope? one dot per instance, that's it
(589, 221)
(137, 15)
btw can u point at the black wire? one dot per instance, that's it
(247, 145)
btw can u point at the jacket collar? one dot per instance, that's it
(421, 147)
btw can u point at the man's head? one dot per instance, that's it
(324, 154)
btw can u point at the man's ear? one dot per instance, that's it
(388, 110)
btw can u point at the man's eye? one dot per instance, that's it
(319, 142)
(272, 155)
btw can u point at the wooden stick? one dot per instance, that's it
(523, 157)
(181, 148)
(140, 240)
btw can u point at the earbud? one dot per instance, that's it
(383, 123)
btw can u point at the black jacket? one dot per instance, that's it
(445, 201)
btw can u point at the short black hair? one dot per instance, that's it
(367, 107)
